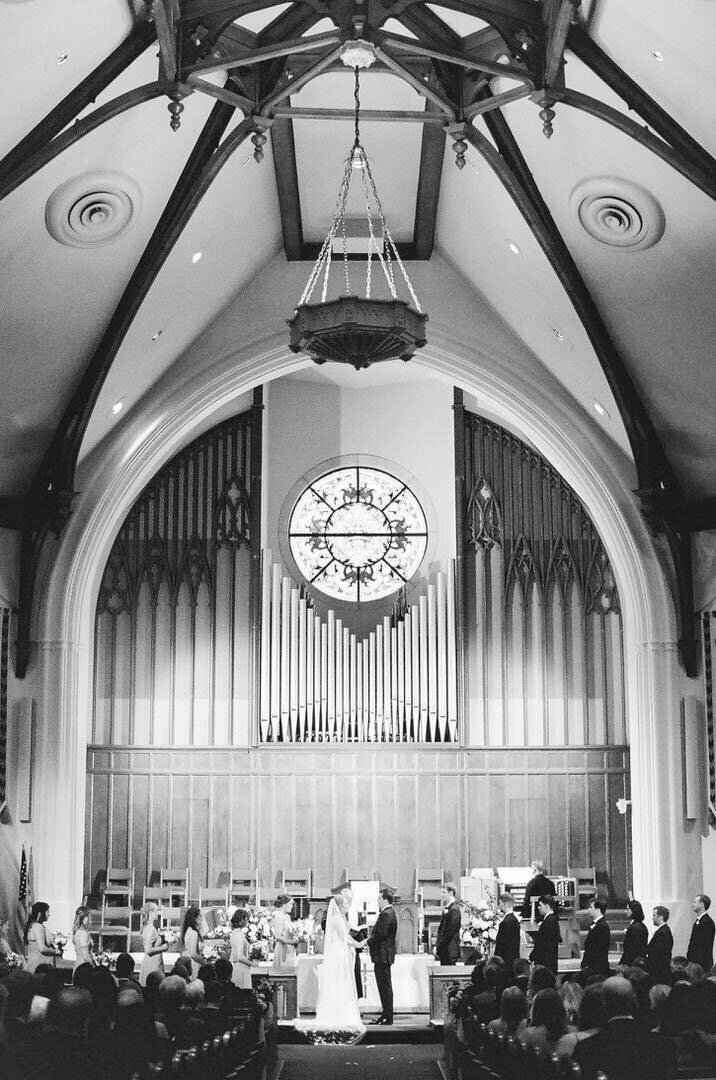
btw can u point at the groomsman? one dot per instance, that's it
(507, 943)
(381, 945)
(447, 944)
(658, 951)
(547, 940)
(596, 946)
(701, 943)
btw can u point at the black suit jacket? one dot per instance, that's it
(596, 947)
(622, 1051)
(658, 955)
(447, 944)
(546, 943)
(636, 941)
(507, 944)
(701, 943)
(381, 941)
(540, 885)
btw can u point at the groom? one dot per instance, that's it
(381, 944)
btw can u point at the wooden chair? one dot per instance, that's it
(178, 882)
(243, 888)
(586, 879)
(266, 897)
(295, 882)
(116, 921)
(120, 882)
(213, 897)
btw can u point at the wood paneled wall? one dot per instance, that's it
(340, 808)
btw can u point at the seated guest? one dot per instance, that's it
(82, 976)
(547, 1023)
(621, 1050)
(659, 949)
(521, 977)
(206, 974)
(658, 997)
(507, 943)
(541, 978)
(62, 1052)
(571, 993)
(636, 936)
(546, 942)
(134, 1038)
(598, 940)
(538, 885)
(590, 1019)
(513, 1010)
(125, 970)
(486, 1005)
(679, 1024)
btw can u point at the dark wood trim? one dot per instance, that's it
(491, 11)
(289, 201)
(637, 99)
(699, 515)
(432, 155)
(558, 17)
(460, 577)
(137, 41)
(45, 154)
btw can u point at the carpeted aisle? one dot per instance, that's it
(386, 1061)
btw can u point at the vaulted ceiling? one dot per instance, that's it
(135, 203)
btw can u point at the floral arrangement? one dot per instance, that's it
(264, 990)
(12, 960)
(303, 930)
(480, 931)
(59, 940)
(459, 1000)
(168, 936)
(104, 958)
(258, 930)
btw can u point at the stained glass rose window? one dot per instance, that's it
(357, 533)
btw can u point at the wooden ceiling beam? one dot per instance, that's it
(432, 156)
(557, 16)
(637, 99)
(289, 201)
(137, 41)
(520, 11)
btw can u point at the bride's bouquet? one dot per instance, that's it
(104, 958)
(59, 940)
(168, 936)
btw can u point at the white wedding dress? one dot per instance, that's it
(337, 1014)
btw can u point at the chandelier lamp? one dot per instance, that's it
(350, 329)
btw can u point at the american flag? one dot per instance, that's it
(22, 893)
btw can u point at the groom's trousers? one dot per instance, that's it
(384, 982)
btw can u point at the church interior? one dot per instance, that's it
(449, 605)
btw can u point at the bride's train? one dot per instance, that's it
(337, 1020)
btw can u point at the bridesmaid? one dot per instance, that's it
(151, 941)
(284, 951)
(82, 939)
(38, 941)
(241, 974)
(192, 942)
(637, 935)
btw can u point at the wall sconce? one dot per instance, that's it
(622, 804)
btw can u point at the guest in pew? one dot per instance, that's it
(125, 970)
(681, 1023)
(134, 1037)
(538, 885)
(192, 941)
(621, 1050)
(659, 949)
(507, 943)
(486, 1005)
(598, 940)
(658, 996)
(513, 1011)
(571, 993)
(541, 978)
(521, 976)
(636, 936)
(547, 1023)
(548, 938)
(591, 1018)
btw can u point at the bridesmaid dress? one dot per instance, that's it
(283, 955)
(241, 975)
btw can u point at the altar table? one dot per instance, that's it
(409, 976)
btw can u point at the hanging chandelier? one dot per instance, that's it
(351, 329)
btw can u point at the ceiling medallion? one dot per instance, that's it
(618, 213)
(93, 209)
(350, 329)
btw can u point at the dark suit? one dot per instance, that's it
(447, 944)
(507, 944)
(596, 947)
(381, 945)
(658, 955)
(622, 1051)
(636, 941)
(540, 885)
(701, 943)
(545, 949)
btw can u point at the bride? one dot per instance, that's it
(337, 1013)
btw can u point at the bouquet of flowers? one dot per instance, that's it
(12, 960)
(59, 940)
(259, 934)
(303, 930)
(168, 936)
(480, 931)
(104, 958)
(212, 952)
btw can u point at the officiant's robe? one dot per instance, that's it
(507, 943)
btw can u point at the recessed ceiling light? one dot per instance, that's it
(513, 247)
(196, 256)
(558, 334)
(658, 56)
(117, 407)
(156, 335)
(599, 408)
(62, 58)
